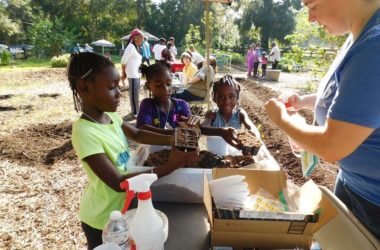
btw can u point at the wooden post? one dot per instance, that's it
(207, 7)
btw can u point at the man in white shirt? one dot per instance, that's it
(196, 57)
(173, 48)
(158, 48)
(274, 55)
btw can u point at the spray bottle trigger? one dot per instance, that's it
(130, 195)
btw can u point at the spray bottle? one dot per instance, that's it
(146, 227)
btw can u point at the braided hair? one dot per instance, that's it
(150, 71)
(226, 80)
(84, 66)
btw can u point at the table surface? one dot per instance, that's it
(188, 226)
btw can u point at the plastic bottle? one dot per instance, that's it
(146, 227)
(116, 231)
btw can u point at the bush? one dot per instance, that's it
(60, 61)
(286, 64)
(5, 57)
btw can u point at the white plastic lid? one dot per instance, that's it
(108, 246)
(115, 215)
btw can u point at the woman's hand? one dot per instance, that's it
(295, 101)
(275, 110)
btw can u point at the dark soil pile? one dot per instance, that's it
(206, 160)
(39, 144)
(254, 97)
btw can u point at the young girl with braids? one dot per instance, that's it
(99, 138)
(162, 113)
(226, 93)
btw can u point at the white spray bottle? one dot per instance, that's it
(146, 227)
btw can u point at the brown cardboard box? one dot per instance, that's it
(269, 233)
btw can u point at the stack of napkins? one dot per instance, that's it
(230, 192)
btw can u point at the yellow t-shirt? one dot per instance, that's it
(188, 72)
(89, 138)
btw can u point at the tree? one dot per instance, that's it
(274, 18)
(50, 36)
(15, 18)
(193, 36)
(173, 18)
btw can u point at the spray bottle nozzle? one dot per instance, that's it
(140, 184)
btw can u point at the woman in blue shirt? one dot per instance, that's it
(347, 112)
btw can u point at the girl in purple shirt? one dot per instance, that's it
(161, 113)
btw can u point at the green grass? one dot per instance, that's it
(42, 63)
(28, 64)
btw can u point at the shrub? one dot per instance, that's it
(286, 64)
(60, 61)
(5, 57)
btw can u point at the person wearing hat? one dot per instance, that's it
(158, 48)
(347, 123)
(145, 51)
(274, 55)
(173, 48)
(130, 64)
(190, 69)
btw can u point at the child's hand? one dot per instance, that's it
(190, 121)
(229, 135)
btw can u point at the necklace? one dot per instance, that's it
(167, 115)
(89, 117)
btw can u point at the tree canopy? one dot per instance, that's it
(53, 24)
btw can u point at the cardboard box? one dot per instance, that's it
(288, 230)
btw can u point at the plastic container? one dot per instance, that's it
(218, 146)
(116, 231)
(186, 139)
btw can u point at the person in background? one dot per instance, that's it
(167, 57)
(347, 128)
(88, 48)
(259, 49)
(196, 87)
(130, 64)
(99, 138)
(256, 62)
(173, 48)
(158, 48)
(77, 49)
(145, 51)
(197, 58)
(275, 55)
(249, 59)
(190, 69)
(264, 63)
